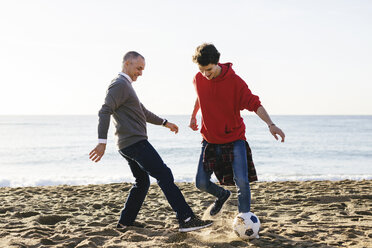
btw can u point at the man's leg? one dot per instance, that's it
(136, 195)
(240, 170)
(149, 160)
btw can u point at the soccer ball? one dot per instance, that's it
(246, 225)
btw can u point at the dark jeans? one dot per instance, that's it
(144, 161)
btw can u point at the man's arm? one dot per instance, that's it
(103, 125)
(154, 119)
(114, 98)
(173, 127)
(193, 122)
(274, 130)
(151, 117)
(97, 153)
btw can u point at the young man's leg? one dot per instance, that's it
(136, 195)
(240, 170)
(203, 182)
(203, 178)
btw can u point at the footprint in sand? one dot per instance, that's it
(52, 219)
(104, 232)
(45, 241)
(96, 224)
(6, 209)
(134, 237)
(364, 212)
(25, 214)
(176, 238)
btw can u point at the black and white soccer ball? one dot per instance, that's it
(246, 225)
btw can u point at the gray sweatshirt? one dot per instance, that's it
(130, 116)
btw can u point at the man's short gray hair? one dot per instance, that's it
(131, 55)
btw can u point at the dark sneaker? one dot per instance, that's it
(219, 203)
(194, 223)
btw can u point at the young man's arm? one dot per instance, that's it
(252, 103)
(193, 123)
(274, 130)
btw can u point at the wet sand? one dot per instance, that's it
(292, 214)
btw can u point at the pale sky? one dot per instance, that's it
(300, 57)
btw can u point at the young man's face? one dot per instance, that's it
(134, 67)
(210, 71)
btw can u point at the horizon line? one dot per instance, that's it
(188, 114)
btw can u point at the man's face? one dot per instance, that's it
(209, 71)
(134, 67)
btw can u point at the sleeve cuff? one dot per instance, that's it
(257, 106)
(104, 141)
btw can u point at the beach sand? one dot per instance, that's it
(292, 214)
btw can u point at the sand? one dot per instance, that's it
(292, 214)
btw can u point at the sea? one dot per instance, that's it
(54, 150)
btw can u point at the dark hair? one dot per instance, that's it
(206, 54)
(131, 55)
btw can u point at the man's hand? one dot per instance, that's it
(96, 154)
(193, 124)
(172, 127)
(274, 130)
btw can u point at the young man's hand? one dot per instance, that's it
(96, 154)
(274, 130)
(173, 127)
(193, 124)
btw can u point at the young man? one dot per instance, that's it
(221, 96)
(130, 118)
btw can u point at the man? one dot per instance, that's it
(221, 95)
(130, 117)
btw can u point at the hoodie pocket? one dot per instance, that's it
(231, 126)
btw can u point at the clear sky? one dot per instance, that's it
(300, 57)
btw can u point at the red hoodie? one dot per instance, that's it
(221, 99)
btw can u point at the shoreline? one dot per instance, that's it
(292, 214)
(180, 181)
